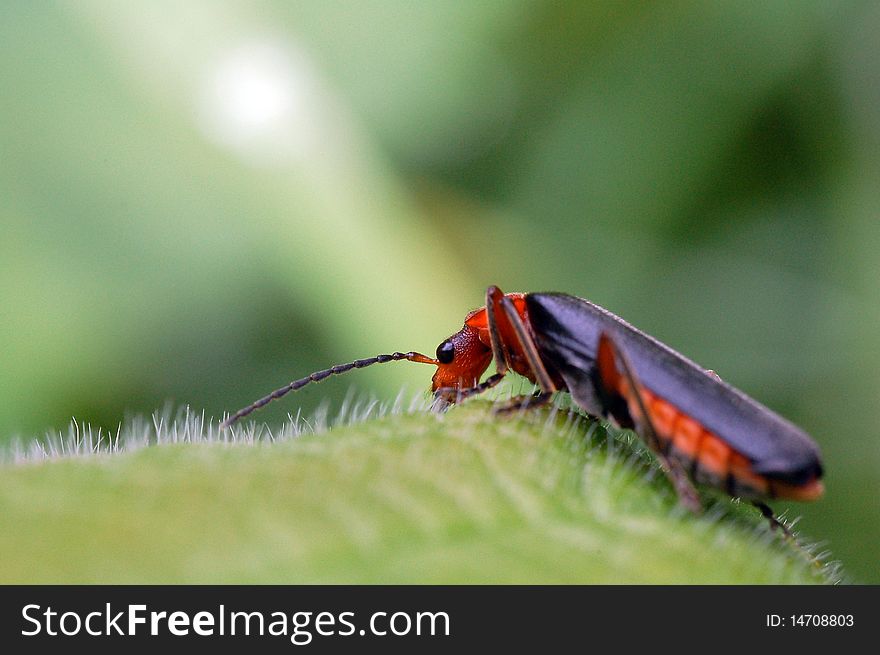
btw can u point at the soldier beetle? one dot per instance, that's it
(699, 427)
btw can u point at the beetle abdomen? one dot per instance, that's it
(780, 459)
(709, 458)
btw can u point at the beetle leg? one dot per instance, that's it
(493, 298)
(613, 364)
(788, 535)
(528, 347)
(526, 402)
(534, 360)
(454, 395)
(772, 518)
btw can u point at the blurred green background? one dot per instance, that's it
(200, 201)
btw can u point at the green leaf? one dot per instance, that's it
(459, 497)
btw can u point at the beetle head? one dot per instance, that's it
(461, 360)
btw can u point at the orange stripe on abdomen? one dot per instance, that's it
(710, 459)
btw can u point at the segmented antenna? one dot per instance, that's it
(317, 376)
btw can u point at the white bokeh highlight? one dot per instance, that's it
(262, 101)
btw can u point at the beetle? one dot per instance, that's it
(699, 427)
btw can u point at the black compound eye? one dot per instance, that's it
(445, 352)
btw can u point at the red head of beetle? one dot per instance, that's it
(462, 358)
(465, 356)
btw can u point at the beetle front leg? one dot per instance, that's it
(499, 353)
(530, 351)
(454, 395)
